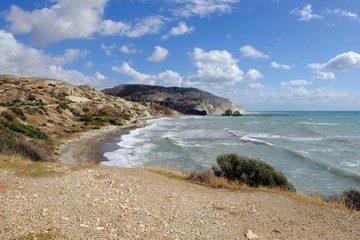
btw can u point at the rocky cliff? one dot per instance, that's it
(37, 113)
(184, 100)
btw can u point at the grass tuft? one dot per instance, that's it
(24, 167)
(169, 173)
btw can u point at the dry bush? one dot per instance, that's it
(209, 179)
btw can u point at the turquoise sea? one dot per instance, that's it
(319, 152)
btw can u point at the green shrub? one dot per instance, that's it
(126, 116)
(115, 122)
(27, 130)
(10, 143)
(18, 111)
(63, 105)
(250, 171)
(86, 117)
(31, 97)
(351, 199)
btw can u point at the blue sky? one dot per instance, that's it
(261, 54)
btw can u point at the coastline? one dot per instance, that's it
(90, 146)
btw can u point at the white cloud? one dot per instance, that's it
(167, 78)
(203, 8)
(76, 19)
(344, 61)
(141, 27)
(181, 29)
(18, 59)
(107, 49)
(281, 66)
(324, 75)
(306, 13)
(251, 52)
(64, 20)
(300, 82)
(158, 55)
(215, 66)
(129, 49)
(342, 13)
(256, 86)
(253, 75)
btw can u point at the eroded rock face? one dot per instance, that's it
(184, 100)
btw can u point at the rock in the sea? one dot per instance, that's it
(228, 112)
(236, 113)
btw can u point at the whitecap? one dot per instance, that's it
(321, 123)
(255, 141)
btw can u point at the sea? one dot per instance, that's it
(319, 152)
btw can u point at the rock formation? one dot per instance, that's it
(184, 100)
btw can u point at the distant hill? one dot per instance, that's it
(184, 100)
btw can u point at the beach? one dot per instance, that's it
(98, 202)
(89, 147)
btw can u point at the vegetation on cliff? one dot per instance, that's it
(37, 113)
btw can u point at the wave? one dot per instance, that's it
(232, 132)
(320, 124)
(324, 166)
(254, 141)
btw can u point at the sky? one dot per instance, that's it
(264, 55)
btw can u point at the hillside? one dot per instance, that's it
(36, 114)
(184, 100)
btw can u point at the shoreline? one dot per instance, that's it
(89, 147)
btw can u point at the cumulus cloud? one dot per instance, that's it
(107, 49)
(215, 67)
(167, 78)
(141, 27)
(129, 49)
(251, 52)
(65, 19)
(202, 8)
(76, 19)
(181, 29)
(158, 55)
(306, 13)
(19, 59)
(253, 75)
(324, 75)
(344, 61)
(281, 66)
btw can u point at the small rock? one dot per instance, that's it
(250, 235)
(277, 231)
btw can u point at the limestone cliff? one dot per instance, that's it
(184, 100)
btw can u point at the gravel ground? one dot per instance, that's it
(113, 203)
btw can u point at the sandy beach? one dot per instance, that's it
(89, 147)
(95, 202)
